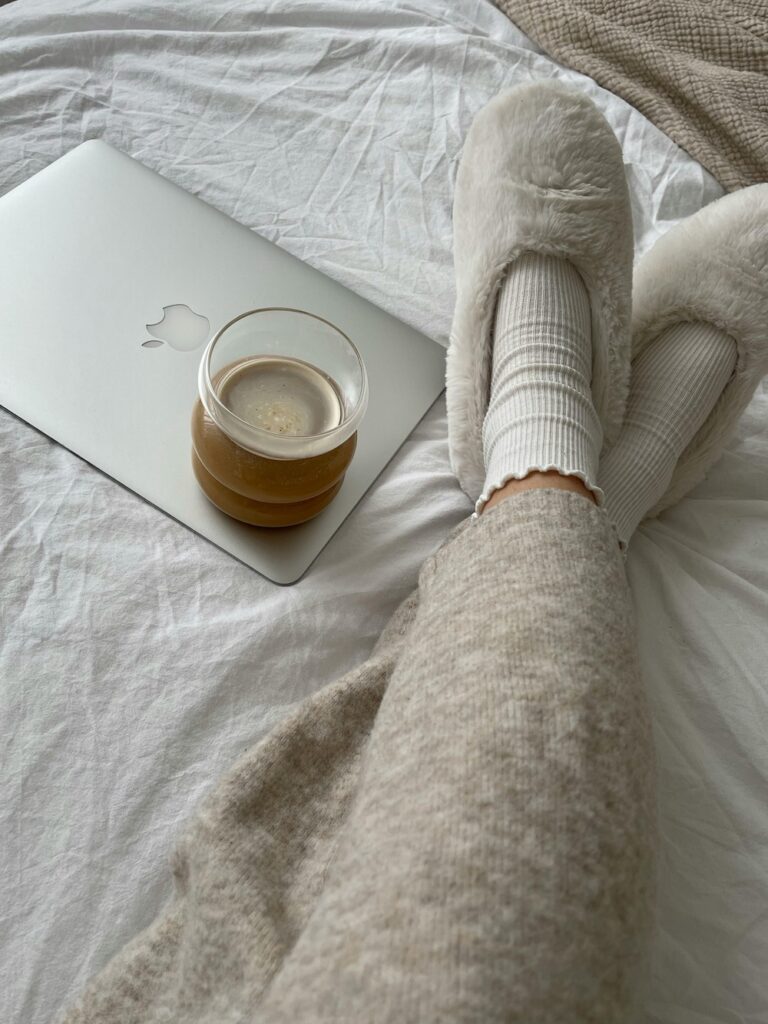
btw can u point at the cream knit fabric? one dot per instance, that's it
(676, 381)
(460, 830)
(540, 413)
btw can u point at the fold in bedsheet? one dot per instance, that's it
(137, 662)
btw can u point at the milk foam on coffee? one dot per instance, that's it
(282, 395)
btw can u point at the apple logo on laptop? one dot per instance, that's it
(180, 327)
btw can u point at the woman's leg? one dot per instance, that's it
(496, 860)
(458, 830)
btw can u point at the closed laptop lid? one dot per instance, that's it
(96, 247)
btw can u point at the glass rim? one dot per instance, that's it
(205, 376)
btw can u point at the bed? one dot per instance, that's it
(137, 661)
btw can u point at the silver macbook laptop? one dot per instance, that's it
(100, 256)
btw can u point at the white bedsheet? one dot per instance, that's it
(137, 661)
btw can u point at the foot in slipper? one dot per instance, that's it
(543, 257)
(700, 348)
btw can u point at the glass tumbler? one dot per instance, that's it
(281, 394)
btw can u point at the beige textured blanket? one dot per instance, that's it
(697, 68)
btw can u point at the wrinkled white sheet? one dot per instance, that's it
(137, 661)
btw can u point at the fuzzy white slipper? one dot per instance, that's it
(712, 267)
(541, 171)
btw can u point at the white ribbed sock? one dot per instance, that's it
(676, 381)
(540, 415)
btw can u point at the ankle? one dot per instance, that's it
(537, 480)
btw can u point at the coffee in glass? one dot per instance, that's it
(281, 394)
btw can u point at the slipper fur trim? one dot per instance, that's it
(541, 171)
(713, 268)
